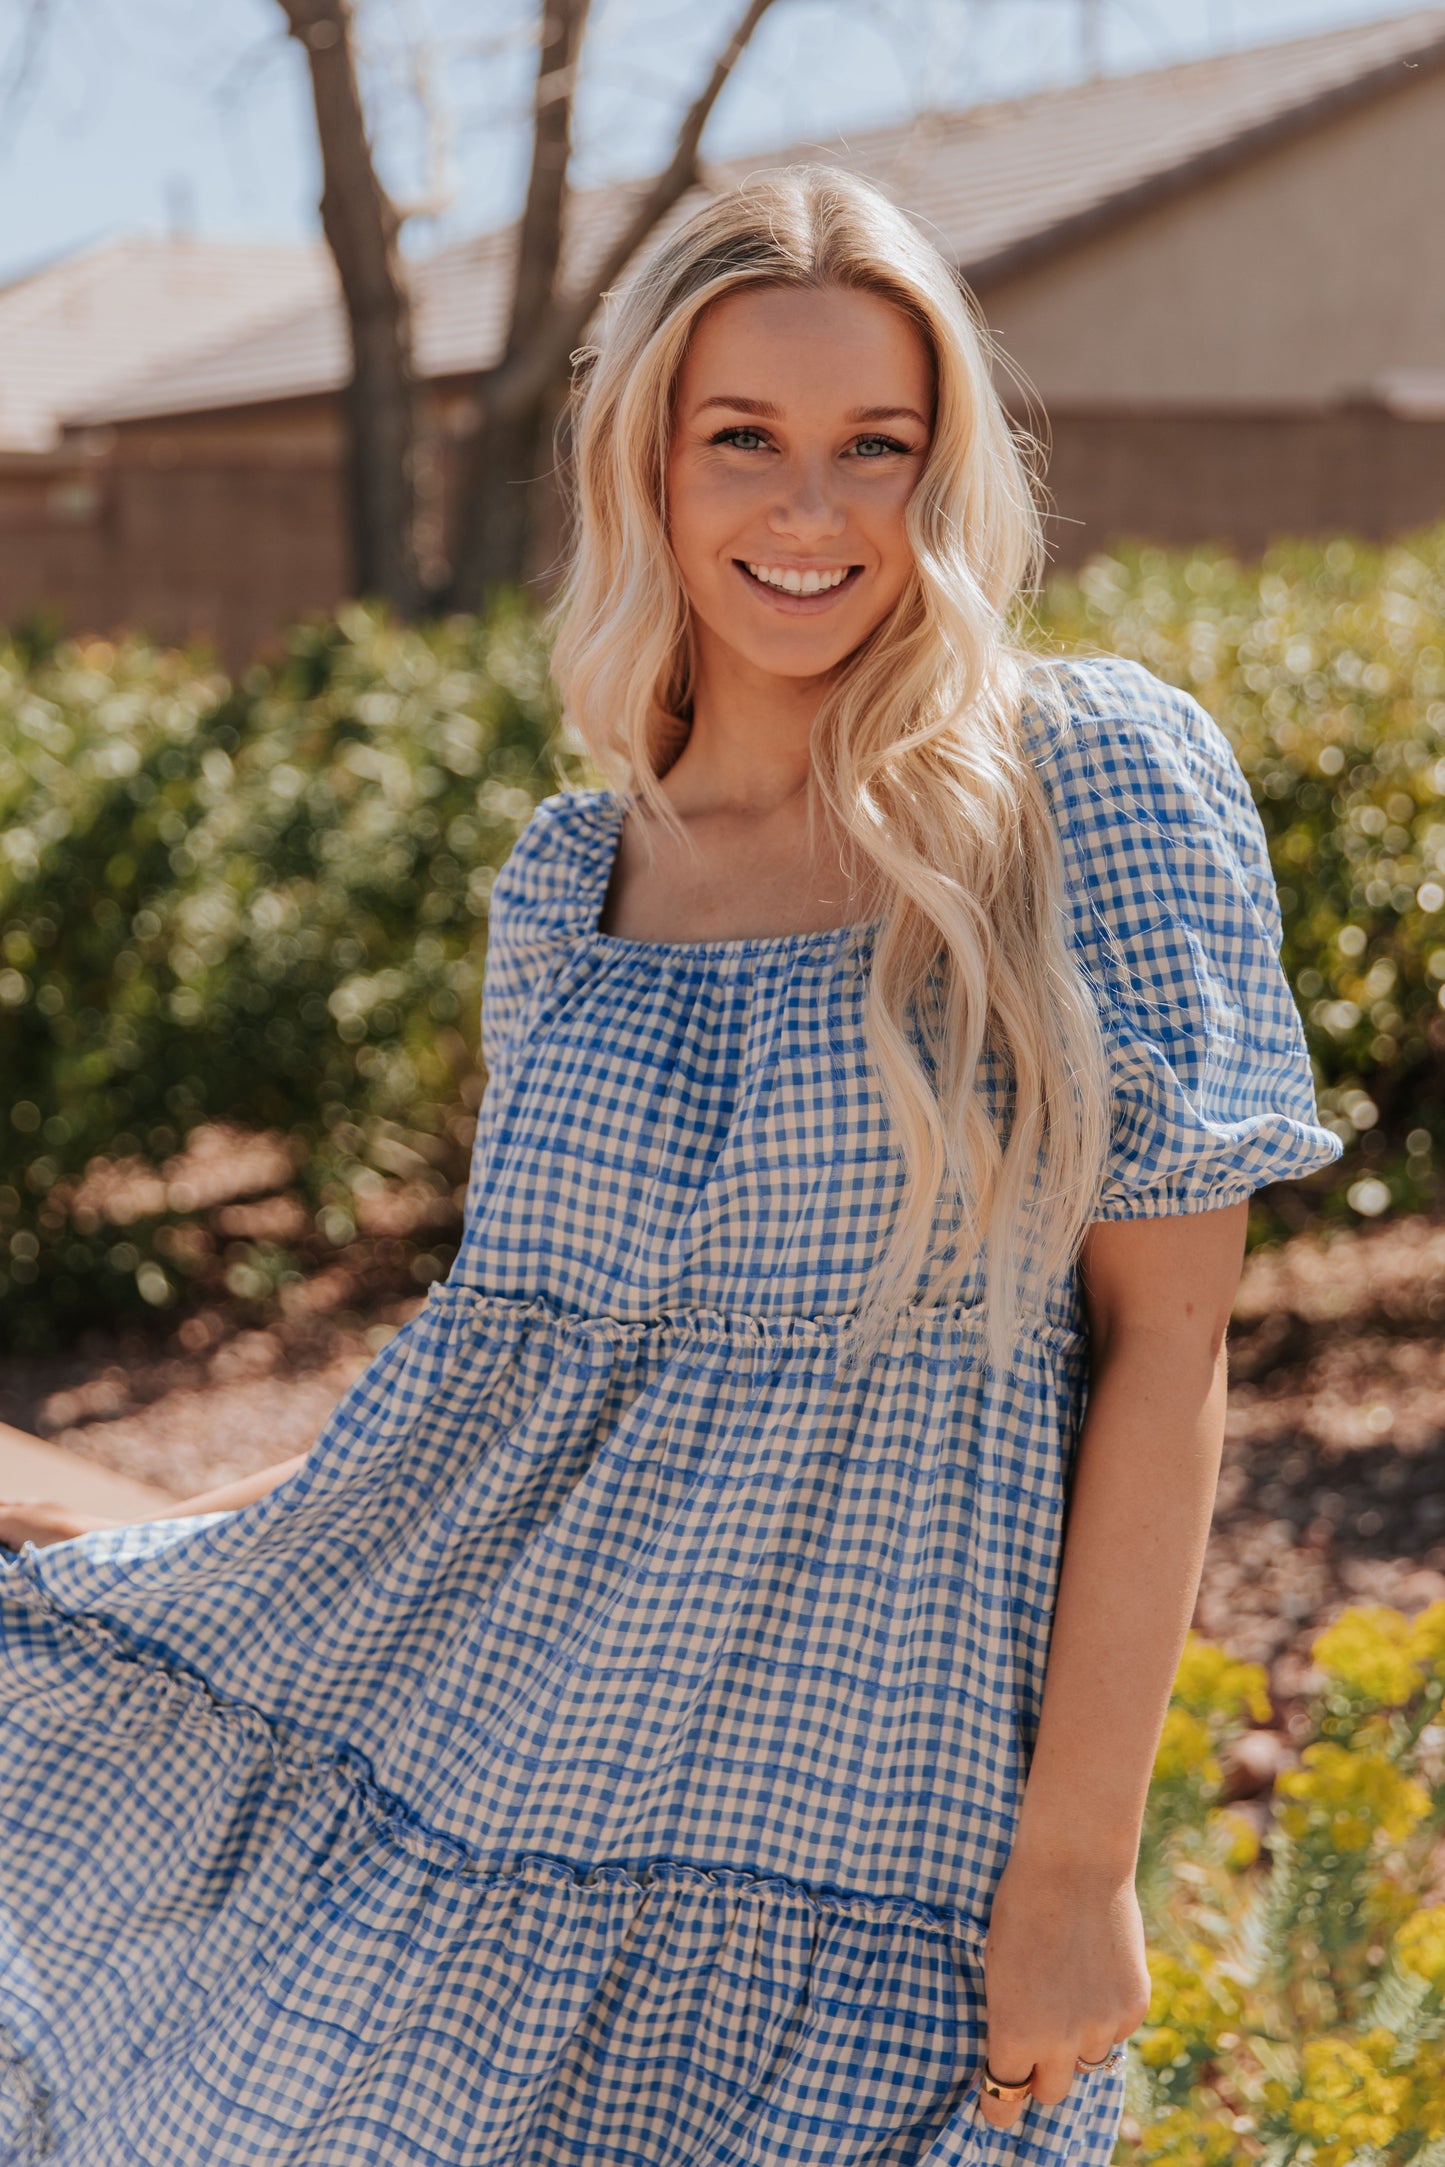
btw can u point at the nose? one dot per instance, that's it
(808, 508)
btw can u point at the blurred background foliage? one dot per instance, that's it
(1296, 1928)
(261, 908)
(1325, 666)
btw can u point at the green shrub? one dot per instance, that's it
(1297, 1944)
(1325, 666)
(265, 905)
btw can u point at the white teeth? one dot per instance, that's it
(795, 582)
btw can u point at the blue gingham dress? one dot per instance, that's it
(603, 1752)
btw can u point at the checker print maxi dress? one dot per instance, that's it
(602, 1753)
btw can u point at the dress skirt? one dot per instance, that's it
(603, 1751)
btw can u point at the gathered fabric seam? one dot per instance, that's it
(394, 1821)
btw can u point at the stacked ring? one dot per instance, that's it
(996, 2090)
(1111, 2060)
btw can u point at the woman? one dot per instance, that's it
(695, 1701)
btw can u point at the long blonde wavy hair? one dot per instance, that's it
(917, 748)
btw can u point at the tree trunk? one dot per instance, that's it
(361, 227)
(505, 460)
(509, 477)
(507, 465)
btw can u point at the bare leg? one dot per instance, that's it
(42, 1520)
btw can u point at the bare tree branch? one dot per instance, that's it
(510, 450)
(523, 375)
(417, 66)
(361, 224)
(681, 171)
(23, 62)
(539, 248)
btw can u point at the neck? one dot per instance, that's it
(750, 744)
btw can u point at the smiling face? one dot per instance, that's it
(801, 425)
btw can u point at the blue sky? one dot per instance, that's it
(142, 116)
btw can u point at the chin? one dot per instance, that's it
(805, 658)
(798, 670)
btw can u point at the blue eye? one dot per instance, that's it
(884, 445)
(732, 436)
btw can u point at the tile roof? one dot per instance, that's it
(996, 186)
(71, 332)
(459, 297)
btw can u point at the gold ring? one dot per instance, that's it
(995, 2090)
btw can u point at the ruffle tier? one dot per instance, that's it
(613, 1589)
(218, 1947)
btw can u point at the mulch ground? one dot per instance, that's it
(1333, 1488)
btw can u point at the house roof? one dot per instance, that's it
(72, 331)
(996, 186)
(459, 298)
(999, 186)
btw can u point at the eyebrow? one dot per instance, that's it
(765, 411)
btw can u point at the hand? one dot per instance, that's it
(40, 1520)
(1064, 1975)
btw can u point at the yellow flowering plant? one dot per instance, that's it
(1297, 1943)
(1212, 1698)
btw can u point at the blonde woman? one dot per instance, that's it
(694, 1704)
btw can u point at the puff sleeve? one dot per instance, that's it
(535, 911)
(1176, 921)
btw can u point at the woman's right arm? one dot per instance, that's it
(42, 1521)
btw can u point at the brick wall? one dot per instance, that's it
(56, 553)
(218, 528)
(228, 553)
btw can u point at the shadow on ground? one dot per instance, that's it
(1333, 1488)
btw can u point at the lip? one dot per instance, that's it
(799, 605)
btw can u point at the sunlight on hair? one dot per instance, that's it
(918, 747)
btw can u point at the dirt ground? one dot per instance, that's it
(1333, 1488)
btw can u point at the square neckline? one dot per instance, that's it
(616, 807)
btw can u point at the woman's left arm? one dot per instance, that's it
(1064, 1964)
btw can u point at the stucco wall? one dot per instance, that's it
(1243, 480)
(1298, 276)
